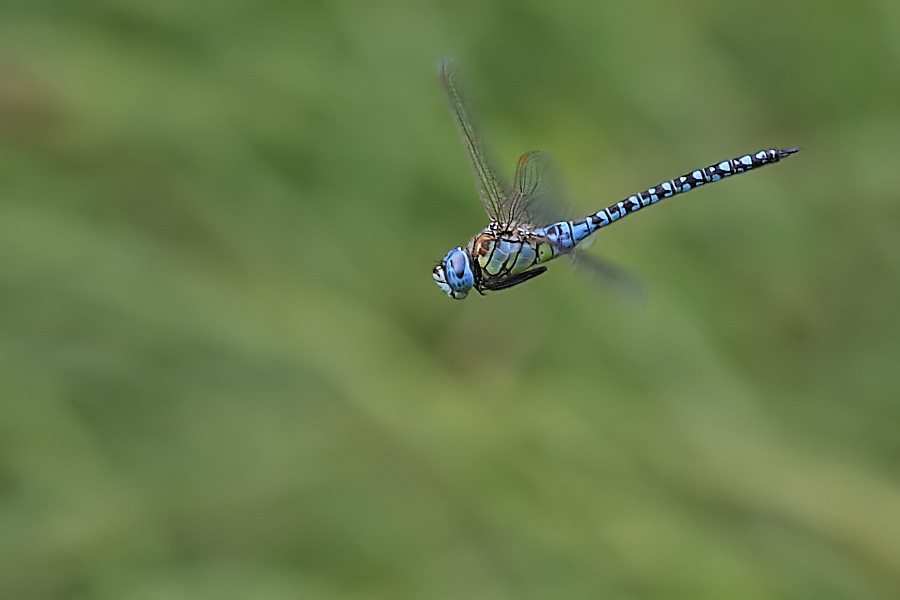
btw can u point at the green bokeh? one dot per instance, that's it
(225, 371)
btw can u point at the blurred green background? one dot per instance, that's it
(226, 372)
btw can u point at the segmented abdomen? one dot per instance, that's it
(562, 237)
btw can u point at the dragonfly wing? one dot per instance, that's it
(491, 190)
(607, 274)
(537, 197)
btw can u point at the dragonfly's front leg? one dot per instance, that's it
(508, 282)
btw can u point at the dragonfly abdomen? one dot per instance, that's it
(562, 237)
(685, 183)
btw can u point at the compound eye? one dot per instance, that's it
(457, 264)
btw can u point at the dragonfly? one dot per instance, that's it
(518, 240)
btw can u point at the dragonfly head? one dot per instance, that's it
(454, 274)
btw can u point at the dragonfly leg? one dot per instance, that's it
(512, 280)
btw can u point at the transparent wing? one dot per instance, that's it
(491, 190)
(537, 197)
(626, 285)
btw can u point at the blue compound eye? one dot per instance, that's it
(457, 263)
(454, 274)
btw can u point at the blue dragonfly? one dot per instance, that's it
(518, 241)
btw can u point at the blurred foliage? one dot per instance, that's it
(225, 371)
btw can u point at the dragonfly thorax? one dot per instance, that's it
(502, 250)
